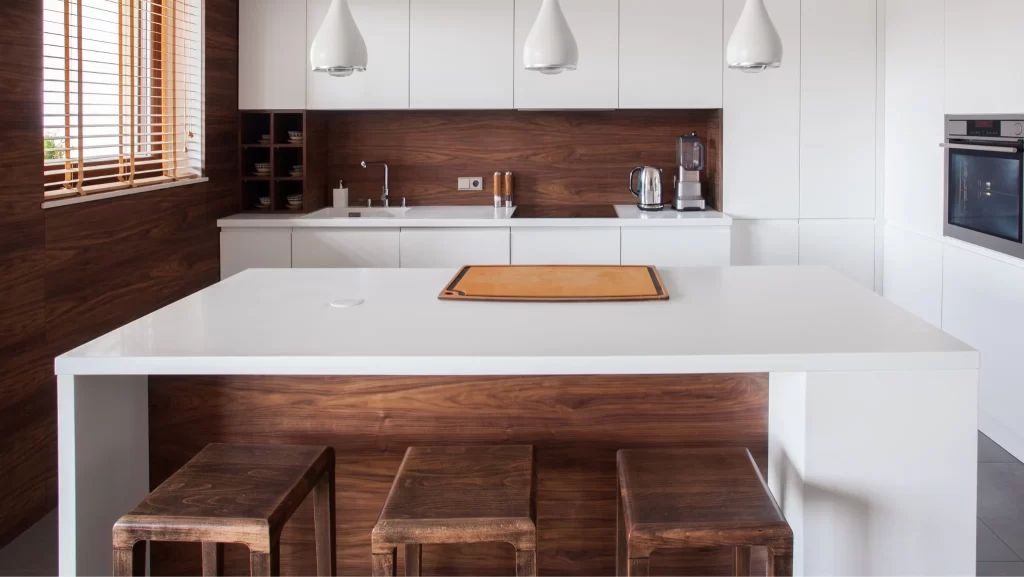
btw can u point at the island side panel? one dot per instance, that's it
(576, 422)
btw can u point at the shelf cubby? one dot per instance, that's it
(283, 156)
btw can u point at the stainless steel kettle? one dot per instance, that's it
(648, 188)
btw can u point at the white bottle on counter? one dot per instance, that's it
(340, 197)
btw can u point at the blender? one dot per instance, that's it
(691, 156)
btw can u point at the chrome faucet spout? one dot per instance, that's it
(384, 196)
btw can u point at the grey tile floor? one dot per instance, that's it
(1000, 523)
(1000, 511)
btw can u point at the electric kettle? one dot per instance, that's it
(648, 188)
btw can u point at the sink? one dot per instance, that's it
(358, 212)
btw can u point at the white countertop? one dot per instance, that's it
(467, 217)
(736, 319)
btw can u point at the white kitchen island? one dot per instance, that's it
(872, 413)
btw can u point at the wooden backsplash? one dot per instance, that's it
(559, 157)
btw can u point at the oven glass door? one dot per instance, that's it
(986, 184)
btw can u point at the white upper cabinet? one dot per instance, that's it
(384, 85)
(761, 125)
(461, 54)
(984, 46)
(595, 83)
(837, 102)
(271, 55)
(670, 53)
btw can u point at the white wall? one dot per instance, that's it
(937, 52)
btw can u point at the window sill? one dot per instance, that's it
(118, 193)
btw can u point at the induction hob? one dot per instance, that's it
(589, 211)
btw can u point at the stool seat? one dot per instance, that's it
(678, 498)
(459, 495)
(235, 494)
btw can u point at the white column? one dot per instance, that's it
(102, 464)
(876, 472)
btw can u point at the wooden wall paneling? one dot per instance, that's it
(28, 486)
(576, 423)
(318, 188)
(559, 157)
(69, 274)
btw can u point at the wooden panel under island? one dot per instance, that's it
(577, 423)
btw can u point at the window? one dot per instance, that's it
(122, 94)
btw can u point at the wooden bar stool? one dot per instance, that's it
(677, 498)
(234, 494)
(459, 495)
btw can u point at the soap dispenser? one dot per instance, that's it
(340, 197)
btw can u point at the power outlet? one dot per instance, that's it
(471, 183)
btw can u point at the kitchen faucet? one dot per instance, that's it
(384, 197)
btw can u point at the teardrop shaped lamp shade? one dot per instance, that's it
(338, 48)
(755, 44)
(551, 47)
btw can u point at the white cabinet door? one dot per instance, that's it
(345, 248)
(847, 245)
(837, 109)
(595, 83)
(761, 125)
(454, 247)
(272, 55)
(682, 246)
(765, 242)
(384, 85)
(670, 54)
(244, 248)
(984, 46)
(461, 54)
(915, 99)
(569, 245)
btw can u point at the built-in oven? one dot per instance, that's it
(984, 200)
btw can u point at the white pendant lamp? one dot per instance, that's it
(755, 44)
(338, 48)
(551, 48)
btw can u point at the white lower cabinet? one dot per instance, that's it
(454, 247)
(345, 248)
(690, 246)
(765, 242)
(244, 248)
(570, 245)
(846, 245)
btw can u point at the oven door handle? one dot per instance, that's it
(1010, 149)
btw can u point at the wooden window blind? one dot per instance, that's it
(123, 93)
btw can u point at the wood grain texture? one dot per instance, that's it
(240, 494)
(459, 494)
(70, 274)
(28, 459)
(681, 498)
(564, 157)
(576, 424)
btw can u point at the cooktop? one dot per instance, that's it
(590, 211)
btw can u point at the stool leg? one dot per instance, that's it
(780, 563)
(265, 564)
(384, 563)
(413, 558)
(213, 559)
(130, 561)
(639, 567)
(741, 561)
(621, 555)
(323, 523)
(526, 563)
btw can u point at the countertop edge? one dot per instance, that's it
(247, 221)
(969, 359)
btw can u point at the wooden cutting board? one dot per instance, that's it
(556, 284)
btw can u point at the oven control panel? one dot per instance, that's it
(985, 127)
